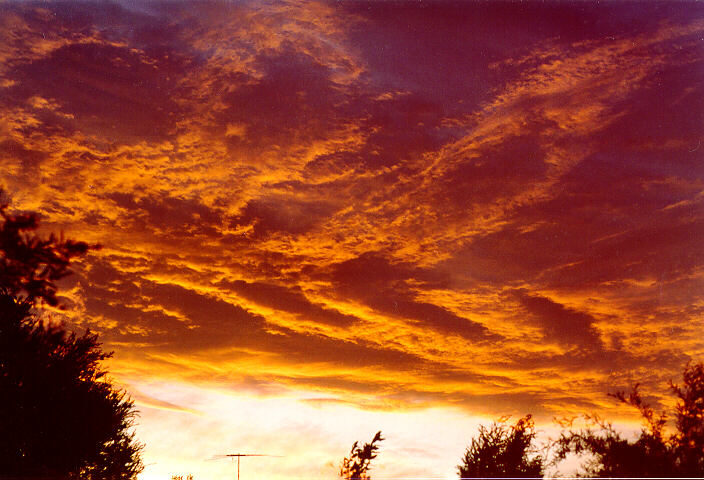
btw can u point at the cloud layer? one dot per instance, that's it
(495, 207)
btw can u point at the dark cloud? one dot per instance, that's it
(428, 315)
(451, 63)
(107, 89)
(368, 271)
(401, 128)
(289, 300)
(283, 215)
(613, 216)
(170, 317)
(28, 159)
(512, 255)
(669, 107)
(177, 319)
(168, 214)
(295, 100)
(665, 251)
(559, 323)
(517, 161)
(382, 285)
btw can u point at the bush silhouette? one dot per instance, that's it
(356, 466)
(503, 450)
(654, 453)
(59, 415)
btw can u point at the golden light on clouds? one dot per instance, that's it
(324, 219)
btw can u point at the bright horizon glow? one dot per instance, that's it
(305, 441)
(311, 440)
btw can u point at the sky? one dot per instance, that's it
(323, 219)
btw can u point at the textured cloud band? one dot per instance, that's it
(496, 207)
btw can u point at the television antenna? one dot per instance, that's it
(240, 455)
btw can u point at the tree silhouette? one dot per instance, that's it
(503, 451)
(356, 466)
(688, 441)
(653, 453)
(60, 417)
(30, 264)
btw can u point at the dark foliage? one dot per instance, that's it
(356, 466)
(503, 451)
(59, 415)
(654, 453)
(688, 441)
(29, 264)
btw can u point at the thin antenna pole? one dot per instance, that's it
(239, 455)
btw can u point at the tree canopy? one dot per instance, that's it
(654, 453)
(60, 416)
(29, 264)
(503, 450)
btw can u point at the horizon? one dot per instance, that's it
(324, 219)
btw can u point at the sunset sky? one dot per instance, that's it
(320, 220)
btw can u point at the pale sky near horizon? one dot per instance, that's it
(323, 219)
